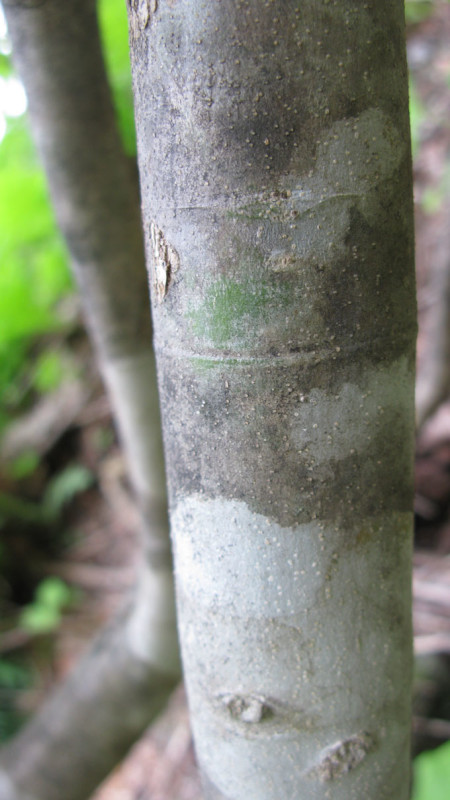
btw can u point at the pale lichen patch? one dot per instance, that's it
(166, 262)
(342, 757)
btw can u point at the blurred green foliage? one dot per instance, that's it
(5, 65)
(23, 465)
(417, 115)
(64, 487)
(34, 273)
(417, 10)
(60, 491)
(49, 371)
(435, 196)
(44, 614)
(432, 774)
(114, 33)
(14, 678)
(33, 264)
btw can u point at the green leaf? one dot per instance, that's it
(44, 614)
(5, 66)
(40, 619)
(24, 465)
(12, 507)
(432, 774)
(13, 676)
(53, 593)
(49, 372)
(63, 488)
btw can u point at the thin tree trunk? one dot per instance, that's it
(274, 156)
(433, 367)
(126, 677)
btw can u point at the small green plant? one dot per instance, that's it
(49, 371)
(12, 675)
(432, 774)
(44, 614)
(64, 487)
(60, 491)
(23, 465)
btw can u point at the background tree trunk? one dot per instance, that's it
(126, 678)
(433, 368)
(274, 156)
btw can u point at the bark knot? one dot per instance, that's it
(250, 708)
(166, 262)
(342, 757)
(140, 14)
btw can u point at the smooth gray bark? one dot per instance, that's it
(274, 157)
(125, 679)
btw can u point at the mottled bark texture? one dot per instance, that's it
(274, 155)
(126, 677)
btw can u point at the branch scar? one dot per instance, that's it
(165, 262)
(342, 757)
(141, 12)
(250, 709)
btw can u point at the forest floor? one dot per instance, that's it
(99, 561)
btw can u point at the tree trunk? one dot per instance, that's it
(433, 364)
(126, 677)
(274, 156)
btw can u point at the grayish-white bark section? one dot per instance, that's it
(293, 659)
(275, 164)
